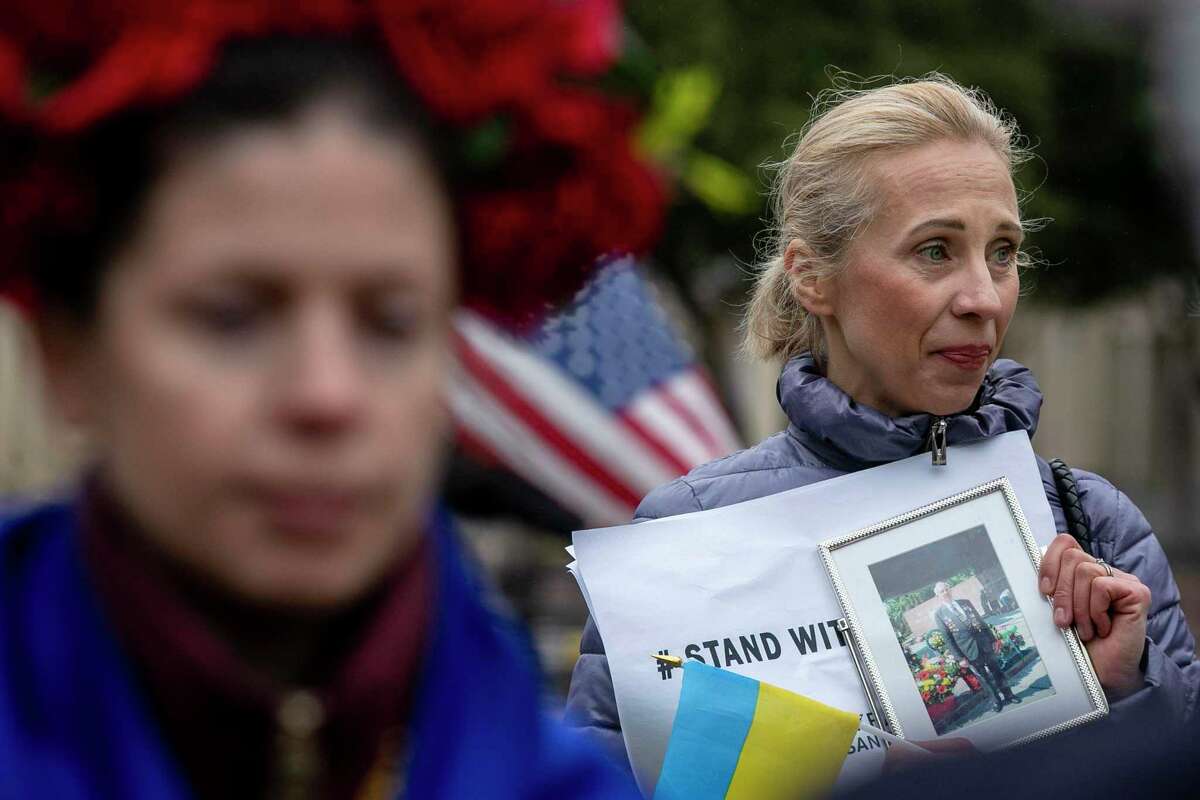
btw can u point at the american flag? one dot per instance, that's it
(596, 406)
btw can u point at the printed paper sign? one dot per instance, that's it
(742, 587)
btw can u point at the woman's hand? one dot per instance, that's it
(1109, 613)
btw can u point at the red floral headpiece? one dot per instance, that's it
(530, 236)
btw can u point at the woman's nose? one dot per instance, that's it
(977, 293)
(322, 391)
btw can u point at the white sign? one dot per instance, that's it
(742, 587)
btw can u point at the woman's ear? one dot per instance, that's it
(814, 291)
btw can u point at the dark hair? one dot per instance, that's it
(264, 80)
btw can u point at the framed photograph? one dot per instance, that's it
(949, 630)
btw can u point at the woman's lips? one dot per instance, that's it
(317, 515)
(968, 357)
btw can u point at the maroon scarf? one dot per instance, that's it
(218, 715)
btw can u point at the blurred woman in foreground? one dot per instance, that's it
(242, 229)
(888, 290)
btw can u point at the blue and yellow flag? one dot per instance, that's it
(735, 738)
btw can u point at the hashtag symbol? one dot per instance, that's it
(664, 667)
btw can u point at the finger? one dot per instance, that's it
(1051, 561)
(1128, 580)
(1099, 604)
(1121, 574)
(1085, 575)
(1124, 576)
(1064, 588)
(1128, 598)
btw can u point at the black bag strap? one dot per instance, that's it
(1068, 496)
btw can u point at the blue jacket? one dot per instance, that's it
(829, 435)
(74, 723)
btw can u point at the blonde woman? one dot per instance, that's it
(889, 285)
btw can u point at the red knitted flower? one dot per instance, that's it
(568, 189)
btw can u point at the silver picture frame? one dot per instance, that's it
(1070, 693)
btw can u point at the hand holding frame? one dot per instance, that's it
(1108, 611)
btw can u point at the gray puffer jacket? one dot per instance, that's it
(829, 435)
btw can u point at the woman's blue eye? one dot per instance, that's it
(1003, 255)
(935, 252)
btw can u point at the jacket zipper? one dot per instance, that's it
(937, 441)
(298, 764)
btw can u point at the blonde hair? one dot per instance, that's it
(821, 194)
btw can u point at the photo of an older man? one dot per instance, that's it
(973, 641)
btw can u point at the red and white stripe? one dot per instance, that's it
(553, 433)
(682, 416)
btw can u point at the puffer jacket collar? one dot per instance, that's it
(850, 436)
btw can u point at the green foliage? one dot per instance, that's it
(899, 624)
(682, 107)
(1078, 88)
(898, 605)
(902, 603)
(959, 577)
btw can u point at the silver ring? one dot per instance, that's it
(1104, 564)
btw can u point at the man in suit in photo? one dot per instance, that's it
(974, 642)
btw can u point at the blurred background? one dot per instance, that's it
(639, 379)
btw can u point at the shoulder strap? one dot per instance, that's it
(1068, 495)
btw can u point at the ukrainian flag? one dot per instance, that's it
(735, 738)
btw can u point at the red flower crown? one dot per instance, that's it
(529, 238)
